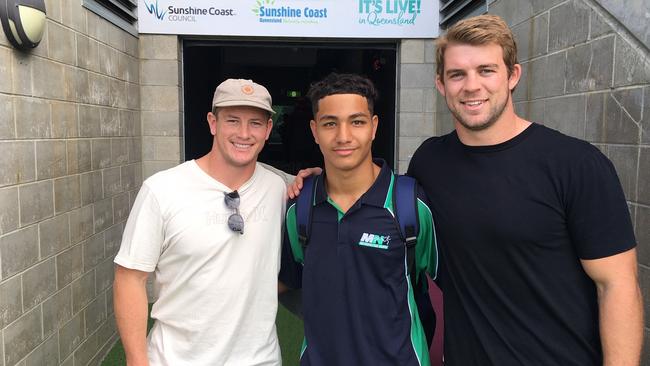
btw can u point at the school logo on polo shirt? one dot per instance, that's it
(374, 240)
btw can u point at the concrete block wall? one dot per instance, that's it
(587, 73)
(161, 102)
(69, 169)
(416, 103)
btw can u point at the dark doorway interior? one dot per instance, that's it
(287, 70)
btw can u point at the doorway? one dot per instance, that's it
(286, 69)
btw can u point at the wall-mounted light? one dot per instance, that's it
(23, 22)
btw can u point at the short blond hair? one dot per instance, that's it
(477, 31)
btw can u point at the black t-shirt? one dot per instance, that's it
(513, 221)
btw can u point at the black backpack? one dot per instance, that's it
(406, 218)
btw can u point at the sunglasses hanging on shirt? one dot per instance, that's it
(235, 221)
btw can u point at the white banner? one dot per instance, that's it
(291, 18)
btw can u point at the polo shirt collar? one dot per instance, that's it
(376, 194)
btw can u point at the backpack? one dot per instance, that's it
(406, 217)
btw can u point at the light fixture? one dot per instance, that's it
(23, 22)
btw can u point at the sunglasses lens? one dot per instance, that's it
(236, 223)
(232, 200)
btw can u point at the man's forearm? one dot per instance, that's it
(621, 324)
(131, 311)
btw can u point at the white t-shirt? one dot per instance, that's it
(216, 289)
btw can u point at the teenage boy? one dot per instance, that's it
(210, 230)
(358, 300)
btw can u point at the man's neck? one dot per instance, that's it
(345, 187)
(505, 128)
(231, 176)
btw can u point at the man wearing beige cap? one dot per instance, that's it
(209, 229)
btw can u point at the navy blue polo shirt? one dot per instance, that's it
(358, 301)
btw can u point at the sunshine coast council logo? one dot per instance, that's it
(154, 10)
(268, 12)
(374, 241)
(185, 14)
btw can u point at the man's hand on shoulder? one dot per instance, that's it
(293, 189)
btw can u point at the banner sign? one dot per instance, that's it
(291, 18)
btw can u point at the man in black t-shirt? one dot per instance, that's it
(538, 258)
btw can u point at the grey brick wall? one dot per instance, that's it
(161, 102)
(416, 102)
(587, 73)
(70, 166)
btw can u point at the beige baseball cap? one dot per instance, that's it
(242, 92)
